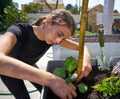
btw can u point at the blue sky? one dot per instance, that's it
(73, 2)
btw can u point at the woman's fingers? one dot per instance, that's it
(73, 93)
(72, 86)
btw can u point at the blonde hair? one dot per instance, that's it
(60, 17)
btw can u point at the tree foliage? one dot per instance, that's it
(69, 7)
(12, 15)
(73, 9)
(3, 4)
(116, 11)
(32, 8)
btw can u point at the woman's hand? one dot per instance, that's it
(86, 69)
(61, 89)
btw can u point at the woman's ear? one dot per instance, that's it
(48, 20)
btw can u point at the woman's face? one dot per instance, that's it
(54, 34)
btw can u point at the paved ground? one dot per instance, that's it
(42, 63)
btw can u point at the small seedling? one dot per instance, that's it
(67, 73)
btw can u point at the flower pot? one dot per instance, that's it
(93, 78)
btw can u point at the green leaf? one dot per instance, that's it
(97, 86)
(82, 87)
(70, 64)
(109, 86)
(60, 72)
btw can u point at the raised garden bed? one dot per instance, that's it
(92, 38)
(93, 78)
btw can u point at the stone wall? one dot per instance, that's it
(95, 38)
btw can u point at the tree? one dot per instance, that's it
(73, 9)
(12, 15)
(116, 11)
(3, 4)
(32, 8)
(68, 7)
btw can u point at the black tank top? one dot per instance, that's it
(28, 48)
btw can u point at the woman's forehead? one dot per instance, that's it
(66, 31)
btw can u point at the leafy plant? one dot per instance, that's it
(32, 8)
(109, 86)
(12, 15)
(86, 32)
(67, 73)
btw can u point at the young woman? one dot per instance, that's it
(22, 45)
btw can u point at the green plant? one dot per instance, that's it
(109, 86)
(67, 73)
(86, 32)
(32, 8)
(12, 15)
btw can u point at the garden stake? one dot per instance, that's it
(82, 35)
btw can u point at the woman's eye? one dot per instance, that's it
(59, 34)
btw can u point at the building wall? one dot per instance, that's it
(52, 4)
(60, 6)
(34, 16)
(92, 16)
(48, 1)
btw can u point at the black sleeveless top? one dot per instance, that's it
(28, 48)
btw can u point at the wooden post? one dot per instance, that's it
(82, 35)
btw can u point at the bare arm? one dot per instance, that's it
(75, 46)
(18, 69)
(87, 59)
(70, 44)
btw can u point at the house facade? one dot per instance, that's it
(92, 17)
(96, 16)
(52, 3)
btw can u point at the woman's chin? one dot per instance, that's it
(49, 42)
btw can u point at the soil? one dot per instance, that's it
(95, 77)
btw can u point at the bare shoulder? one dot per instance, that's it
(7, 42)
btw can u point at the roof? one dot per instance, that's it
(95, 7)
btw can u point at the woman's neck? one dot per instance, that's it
(39, 32)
